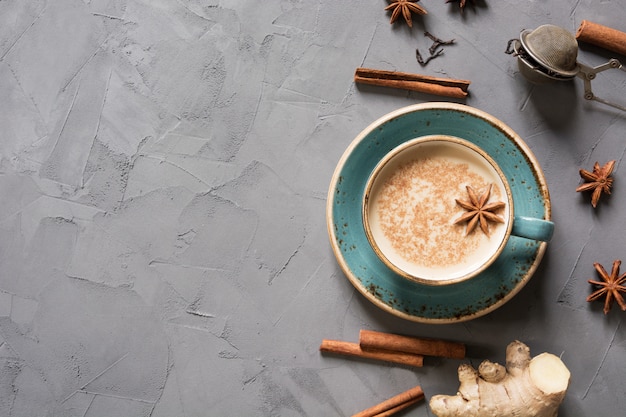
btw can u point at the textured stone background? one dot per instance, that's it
(163, 174)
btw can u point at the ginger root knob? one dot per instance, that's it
(525, 388)
(492, 372)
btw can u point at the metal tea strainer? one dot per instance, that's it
(549, 53)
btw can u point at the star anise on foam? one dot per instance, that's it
(599, 181)
(462, 3)
(404, 7)
(610, 287)
(478, 211)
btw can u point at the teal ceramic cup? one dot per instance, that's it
(438, 209)
(406, 298)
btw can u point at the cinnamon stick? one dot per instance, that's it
(394, 404)
(353, 349)
(398, 408)
(447, 87)
(369, 339)
(602, 36)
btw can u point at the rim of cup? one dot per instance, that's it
(405, 147)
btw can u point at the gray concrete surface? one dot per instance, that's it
(163, 173)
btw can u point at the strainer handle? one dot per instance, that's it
(589, 73)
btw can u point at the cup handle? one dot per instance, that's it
(533, 228)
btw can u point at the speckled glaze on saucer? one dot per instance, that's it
(412, 300)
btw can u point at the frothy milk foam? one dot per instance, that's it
(411, 209)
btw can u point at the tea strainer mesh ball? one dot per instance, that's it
(553, 47)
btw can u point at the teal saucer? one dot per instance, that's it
(408, 299)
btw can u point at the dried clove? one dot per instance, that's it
(423, 61)
(436, 42)
(433, 50)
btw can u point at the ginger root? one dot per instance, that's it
(525, 388)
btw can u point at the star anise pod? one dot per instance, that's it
(610, 287)
(599, 181)
(404, 7)
(478, 211)
(462, 3)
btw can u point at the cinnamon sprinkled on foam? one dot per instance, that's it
(417, 209)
